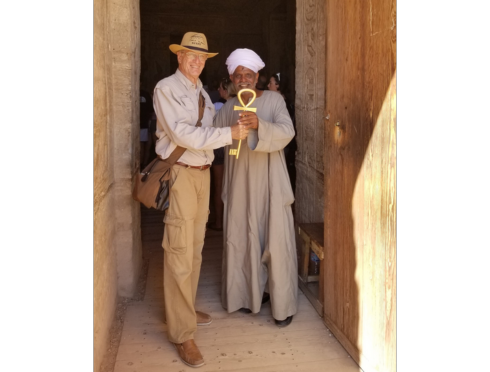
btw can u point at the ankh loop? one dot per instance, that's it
(244, 108)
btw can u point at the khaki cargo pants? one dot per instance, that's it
(183, 239)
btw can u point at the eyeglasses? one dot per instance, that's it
(194, 56)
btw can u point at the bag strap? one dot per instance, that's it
(202, 105)
(177, 153)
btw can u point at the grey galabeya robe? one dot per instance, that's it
(259, 241)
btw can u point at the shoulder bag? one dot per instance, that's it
(151, 186)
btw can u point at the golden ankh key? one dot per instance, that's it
(244, 108)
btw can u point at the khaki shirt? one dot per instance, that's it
(176, 101)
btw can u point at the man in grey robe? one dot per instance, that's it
(259, 242)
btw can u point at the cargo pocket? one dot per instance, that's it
(175, 237)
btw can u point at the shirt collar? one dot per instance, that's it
(188, 84)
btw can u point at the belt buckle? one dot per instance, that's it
(201, 167)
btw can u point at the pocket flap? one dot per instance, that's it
(173, 220)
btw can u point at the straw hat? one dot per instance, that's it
(193, 41)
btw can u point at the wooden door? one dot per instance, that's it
(360, 179)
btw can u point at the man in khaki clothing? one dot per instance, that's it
(177, 100)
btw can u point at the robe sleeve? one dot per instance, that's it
(276, 134)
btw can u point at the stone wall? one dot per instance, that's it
(310, 106)
(117, 241)
(105, 270)
(125, 45)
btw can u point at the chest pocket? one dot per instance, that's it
(188, 104)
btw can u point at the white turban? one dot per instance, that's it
(246, 58)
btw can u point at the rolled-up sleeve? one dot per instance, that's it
(276, 134)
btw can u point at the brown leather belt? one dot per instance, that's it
(200, 167)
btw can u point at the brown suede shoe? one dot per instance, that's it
(203, 318)
(190, 354)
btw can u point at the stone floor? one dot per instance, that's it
(233, 342)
